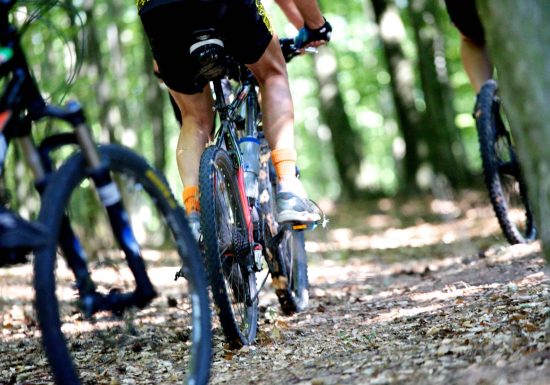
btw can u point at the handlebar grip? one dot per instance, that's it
(289, 48)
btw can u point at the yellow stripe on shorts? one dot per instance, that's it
(141, 3)
(263, 14)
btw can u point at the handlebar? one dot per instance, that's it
(290, 51)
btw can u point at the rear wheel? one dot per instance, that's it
(291, 281)
(229, 254)
(501, 168)
(288, 260)
(158, 225)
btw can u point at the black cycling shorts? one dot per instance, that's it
(464, 16)
(169, 24)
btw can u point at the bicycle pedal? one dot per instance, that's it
(179, 274)
(258, 256)
(301, 226)
(11, 257)
(308, 226)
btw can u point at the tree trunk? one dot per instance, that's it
(518, 39)
(402, 84)
(154, 103)
(346, 143)
(446, 152)
(94, 66)
(118, 113)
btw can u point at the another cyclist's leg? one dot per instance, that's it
(195, 132)
(476, 62)
(473, 52)
(278, 122)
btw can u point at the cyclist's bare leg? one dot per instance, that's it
(476, 62)
(197, 121)
(277, 107)
(278, 122)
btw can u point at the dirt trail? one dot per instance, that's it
(416, 292)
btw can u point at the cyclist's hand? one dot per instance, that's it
(313, 37)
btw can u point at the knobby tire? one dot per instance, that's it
(487, 115)
(228, 253)
(289, 268)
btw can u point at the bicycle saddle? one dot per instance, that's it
(208, 55)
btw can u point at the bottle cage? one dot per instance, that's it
(208, 56)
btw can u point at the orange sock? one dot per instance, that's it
(284, 160)
(191, 199)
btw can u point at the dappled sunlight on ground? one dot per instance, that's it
(422, 234)
(425, 291)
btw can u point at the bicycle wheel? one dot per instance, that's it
(289, 272)
(229, 255)
(291, 281)
(160, 227)
(501, 168)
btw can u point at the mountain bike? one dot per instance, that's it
(501, 168)
(131, 200)
(237, 199)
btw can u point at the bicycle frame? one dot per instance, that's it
(226, 134)
(22, 104)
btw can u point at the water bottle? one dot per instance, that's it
(250, 148)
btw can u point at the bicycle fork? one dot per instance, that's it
(111, 199)
(90, 300)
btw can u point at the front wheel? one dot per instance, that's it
(158, 226)
(501, 168)
(229, 254)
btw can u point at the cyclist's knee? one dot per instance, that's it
(197, 108)
(271, 64)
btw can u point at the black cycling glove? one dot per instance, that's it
(307, 35)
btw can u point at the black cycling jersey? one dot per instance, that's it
(463, 14)
(169, 24)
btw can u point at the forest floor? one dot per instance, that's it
(422, 291)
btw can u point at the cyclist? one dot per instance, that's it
(306, 37)
(473, 50)
(247, 35)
